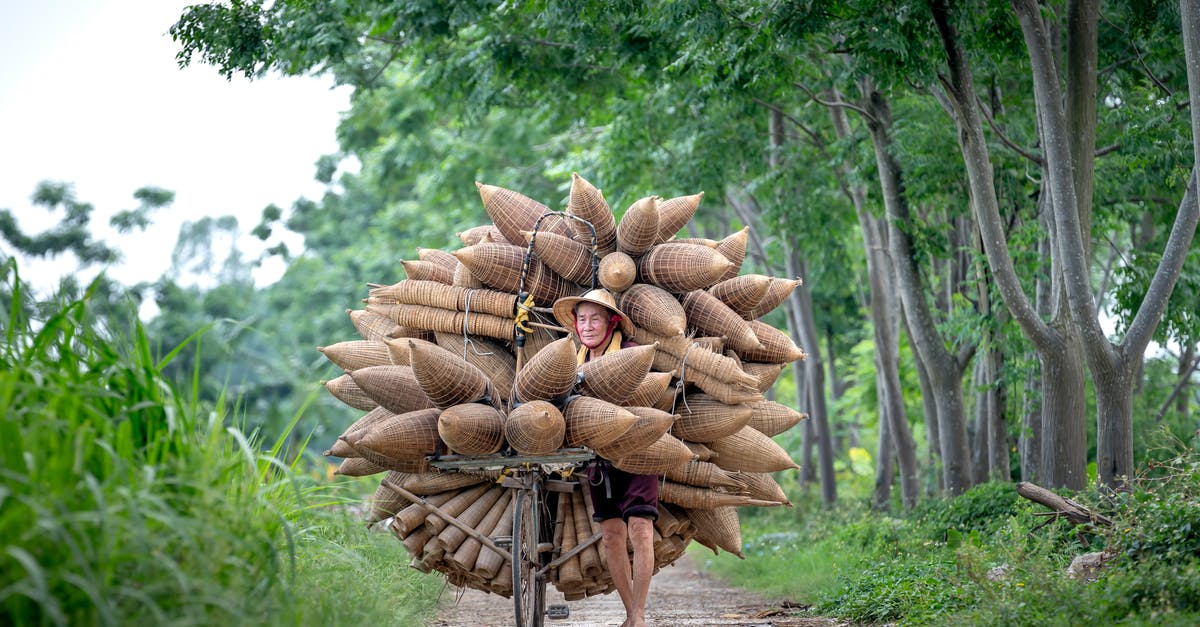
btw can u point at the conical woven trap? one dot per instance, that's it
(595, 423)
(709, 316)
(418, 270)
(464, 278)
(742, 293)
(454, 298)
(492, 358)
(705, 475)
(666, 453)
(585, 201)
(649, 391)
(393, 387)
(550, 374)
(751, 451)
(345, 390)
(483, 232)
(771, 418)
(698, 365)
(653, 309)
(358, 467)
(440, 257)
(513, 212)
(435, 319)
(452, 537)
(367, 420)
(398, 351)
(616, 376)
(446, 378)
(499, 266)
(617, 271)
(371, 326)
(693, 497)
(355, 354)
(385, 503)
(650, 426)
(674, 213)
(472, 428)
(404, 436)
(733, 248)
(702, 418)
(681, 268)
(566, 257)
(777, 291)
(765, 373)
(762, 486)
(777, 346)
(638, 229)
(718, 527)
(702, 452)
(535, 428)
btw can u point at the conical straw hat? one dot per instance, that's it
(777, 346)
(493, 359)
(763, 487)
(718, 527)
(660, 457)
(513, 212)
(650, 426)
(709, 316)
(472, 428)
(751, 451)
(742, 293)
(355, 354)
(404, 436)
(617, 271)
(535, 428)
(393, 387)
(674, 213)
(587, 202)
(733, 248)
(650, 390)
(702, 418)
(345, 390)
(777, 291)
(616, 376)
(681, 268)
(654, 309)
(595, 423)
(371, 326)
(568, 258)
(549, 374)
(564, 309)
(446, 378)
(771, 418)
(638, 229)
(418, 270)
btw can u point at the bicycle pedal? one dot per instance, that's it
(503, 542)
(557, 612)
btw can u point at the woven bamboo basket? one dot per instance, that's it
(681, 268)
(435, 320)
(472, 428)
(446, 378)
(708, 315)
(649, 391)
(715, 344)
(488, 564)
(411, 519)
(692, 497)
(398, 351)
(535, 428)
(750, 451)
(343, 448)
(367, 420)
(702, 418)
(454, 298)
(549, 374)
(589, 559)
(358, 467)
(455, 508)
(419, 270)
(719, 376)
(540, 338)
(483, 232)
(345, 390)
(742, 293)
(702, 241)
(452, 537)
(408, 436)
(587, 202)
(771, 418)
(777, 346)
(702, 452)
(666, 453)
(674, 213)
(513, 212)
(595, 423)
(706, 475)
(433, 482)
(385, 503)
(569, 575)
(650, 426)
(777, 291)
(491, 357)
(668, 522)
(371, 326)
(464, 278)
(568, 258)
(733, 248)
(616, 376)
(617, 271)
(499, 266)
(654, 309)
(763, 487)
(440, 257)
(766, 373)
(718, 527)
(465, 557)
(638, 229)
(354, 354)
(393, 387)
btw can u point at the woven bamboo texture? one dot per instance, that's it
(454, 298)
(763, 487)
(419, 270)
(433, 482)
(692, 497)
(708, 315)
(777, 346)
(595, 423)
(587, 202)
(513, 212)
(464, 278)
(355, 354)
(385, 503)
(452, 537)
(472, 429)
(638, 229)
(674, 213)
(733, 248)
(706, 475)
(412, 518)
(438, 320)
(535, 428)
(367, 420)
(654, 309)
(589, 560)
(398, 351)
(540, 338)
(750, 451)
(358, 467)
(393, 387)
(766, 373)
(616, 376)
(454, 508)
(742, 293)
(566, 257)
(718, 528)
(549, 374)
(771, 418)
(440, 257)
(777, 291)
(569, 575)
(499, 266)
(481, 233)
(681, 268)
(371, 326)
(347, 391)
(650, 426)
(412, 435)
(649, 391)
(702, 452)
(719, 376)
(702, 241)
(703, 418)
(665, 453)
(446, 378)
(493, 359)
(617, 271)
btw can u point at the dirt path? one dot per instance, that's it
(679, 595)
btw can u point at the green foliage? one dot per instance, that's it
(981, 509)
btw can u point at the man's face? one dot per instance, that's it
(592, 322)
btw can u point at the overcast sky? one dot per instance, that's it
(90, 94)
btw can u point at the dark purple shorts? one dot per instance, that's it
(619, 494)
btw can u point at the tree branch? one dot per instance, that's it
(1183, 381)
(841, 103)
(987, 116)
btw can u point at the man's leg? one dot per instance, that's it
(617, 554)
(641, 534)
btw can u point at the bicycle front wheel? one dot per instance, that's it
(529, 587)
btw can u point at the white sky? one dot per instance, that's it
(90, 94)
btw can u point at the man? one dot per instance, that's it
(626, 505)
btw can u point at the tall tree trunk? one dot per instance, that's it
(979, 426)
(999, 468)
(883, 459)
(800, 313)
(933, 443)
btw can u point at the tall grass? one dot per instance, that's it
(125, 502)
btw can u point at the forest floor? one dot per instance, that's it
(680, 594)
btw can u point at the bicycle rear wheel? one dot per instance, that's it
(529, 587)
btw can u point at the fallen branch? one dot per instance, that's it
(1075, 513)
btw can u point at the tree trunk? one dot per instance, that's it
(800, 314)
(883, 459)
(999, 468)
(933, 443)
(979, 426)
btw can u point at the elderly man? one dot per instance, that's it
(625, 504)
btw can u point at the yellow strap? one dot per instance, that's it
(522, 318)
